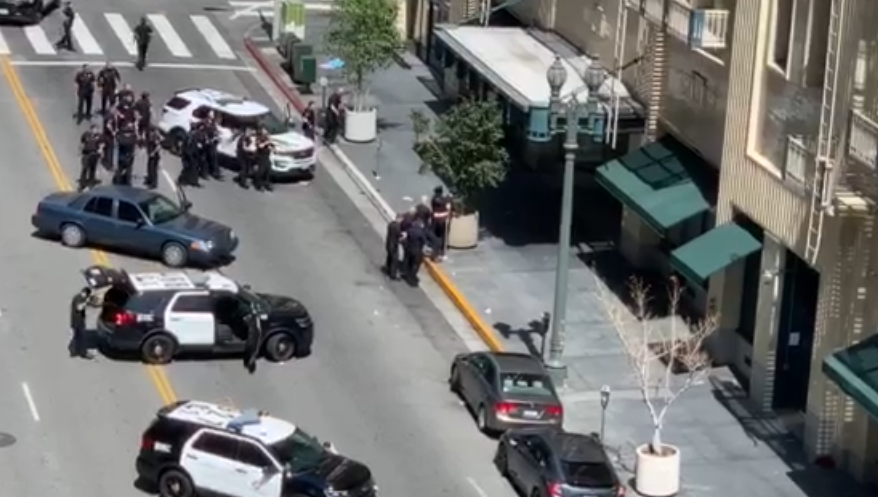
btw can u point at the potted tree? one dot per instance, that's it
(363, 34)
(463, 147)
(666, 362)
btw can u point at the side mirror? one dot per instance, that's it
(247, 287)
(186, 205)
(512, 442)
(140, 224)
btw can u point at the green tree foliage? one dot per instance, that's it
(364, 35)
(464, 147)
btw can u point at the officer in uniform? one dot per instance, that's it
(417, 237)
(66, 41)
(210, 137)
(108, 83)
(143, 109)
(254, 339)
(309, 121)
(333, 116)
(153, 143)
(264, 147)
(85, 90)
(190, 158)
(245, 152)
(78, 304)
(142, 37)
(441, 209)
(90, 149)
(392, 242)
(125, 97)
(126, 138)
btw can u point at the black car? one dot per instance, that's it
(25, 11)
(196, 448)
(163, 314)
(506, 390)
(541, 462)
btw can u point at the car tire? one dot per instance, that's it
(454, 380)
(482, 420)
(501, 459)
(175, 141)
(280, 347)
(175, 483)
(72, 235)
(174, 255)
(158, 349)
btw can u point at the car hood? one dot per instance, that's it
(281, 304)
(198, 228)
(341, 473)
(290, 141)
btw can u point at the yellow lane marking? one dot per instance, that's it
(157, 374)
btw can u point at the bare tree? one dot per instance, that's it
(666, 361)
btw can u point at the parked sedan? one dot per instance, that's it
(554, 463)
(506, 390)
(137, 221)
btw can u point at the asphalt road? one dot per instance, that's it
(375, 385)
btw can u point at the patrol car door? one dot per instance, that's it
(230, 131)
(264, 474)
(210, 458)
(189, 316)
(98, 221)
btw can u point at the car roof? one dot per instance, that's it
(249, 422)
(224, 101)
(131, 193)
(574, 447)
(180, 280)
(517, 362)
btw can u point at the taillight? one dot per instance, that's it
(124, 319)
(555, 490)
(555, 410)
(504, 408)
(147, 443)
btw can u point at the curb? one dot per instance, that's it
(438, 274)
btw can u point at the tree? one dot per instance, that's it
(464, 147)
(665, 363)
(363, 34)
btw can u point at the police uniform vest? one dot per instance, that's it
(90, 143)
(108, 78)
(85, 82)
(127, 135)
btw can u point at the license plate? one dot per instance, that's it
(531, 414)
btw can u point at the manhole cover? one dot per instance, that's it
(6, 440)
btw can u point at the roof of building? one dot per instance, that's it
(227, 102)
(179, 280)
(249, 422)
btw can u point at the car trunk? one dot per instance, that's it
(116, 289)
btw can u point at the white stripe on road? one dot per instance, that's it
(38, 39)
(123, 32)
(128, 63)
(85, 40)
(30, 402)
(213, 37)
(169, 35)
(4, 47)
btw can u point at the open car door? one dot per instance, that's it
(102, 277)
(255, 336)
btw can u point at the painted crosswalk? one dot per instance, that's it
(111, 36)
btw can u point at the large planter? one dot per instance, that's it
(463, 232)
(657, 475)
(361, 126)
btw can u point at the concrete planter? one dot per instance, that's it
(657, 475)
(463, 232)
(361, 126)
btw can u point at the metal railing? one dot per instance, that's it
(863, 139)
(699, 28)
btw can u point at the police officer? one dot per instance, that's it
(309, 120)
(210, 137)
(108, 135)
(417, 238)
(66, 41)
(126, 139)
(142, 37)
(264, 147)
(392, 241)
(108, 82)
(143, 110)
(334, 116)
(440, 204)
(90, 149)
(245, 152)
(153, 144)
(254, 339)
(85, 89)
(125, 97)
(190, 157)
(78, 304)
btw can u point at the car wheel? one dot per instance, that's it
(174, 255)
(280, 347)
(482, 420)
(454, 380)
(158, 349)
(72, 235)
(501, 459)
(175, 483)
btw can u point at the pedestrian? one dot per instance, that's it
(142, 37)
(126, 139)
(108, 83)
(190, 157)
(309, 121)
(264, 148)
(334, 116)
(85, 89)
(245, 152)
(416, 239)
(210, 160)
(78, 345)
(440, 205)
(153, 146)
(392, 241)
(90, 150)
(143, 113)
(66, 41)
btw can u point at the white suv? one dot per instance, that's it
(294, 155)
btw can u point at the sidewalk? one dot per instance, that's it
(509, 280)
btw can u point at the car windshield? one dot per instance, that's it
(588, 474)
(525, 383)
(301, 451)
(160, 209)
(272, 123)
(253, 299)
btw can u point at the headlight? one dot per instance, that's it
(203, 245)
(330, 492)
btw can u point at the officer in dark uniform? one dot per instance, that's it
(309, 120)
(90, 146)
(254, 339)
(78, 346)
(85, 90)
(245, 152)
(153, 144)
(125, 97)
(416, 239)
(142, 37)
(264, 147)
(440, 204)
(210, 160)
(66, 41)
(108, 135)
(108, 83)
(190, 157)
(392, 242)
(143, 110)
(126, 139)
(333, 116)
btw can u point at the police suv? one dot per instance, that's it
(201, 448)
(162, 314)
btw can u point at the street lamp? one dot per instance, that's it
(556, 76)
(605, 401)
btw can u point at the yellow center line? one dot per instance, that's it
(157, 374)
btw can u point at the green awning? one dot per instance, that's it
(855, 371)
(655, 182)
(713, 251)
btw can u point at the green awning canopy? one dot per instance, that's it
(855, 371)
(713, 251)
(656, 181)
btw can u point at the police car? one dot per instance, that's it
(202, 448)
(294, 154)
(162, 314)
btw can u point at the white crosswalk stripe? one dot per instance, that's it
(38, 39)
(85, 40)
(167, 32)
(120, 26)
(4, 47)
(213, 37)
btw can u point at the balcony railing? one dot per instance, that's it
(653, 11)
(700, 28)
(863, 139)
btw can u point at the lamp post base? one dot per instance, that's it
(558, 372)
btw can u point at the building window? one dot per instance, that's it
(796, 162)
(781, 33)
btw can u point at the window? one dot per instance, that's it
(301, 451)
(781, 32)
(523, 383)
(177, 103)
(160, 210)
(588, 474)
(484, 366)
(816, 42)
(129, 213)
(796, 162)
(100, 206)
(193, 303)
(201, 112)
(253, 455)
(217, 445)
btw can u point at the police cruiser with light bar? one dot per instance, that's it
(201, 448)
(162, 314)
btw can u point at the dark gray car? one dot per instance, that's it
(506, 390)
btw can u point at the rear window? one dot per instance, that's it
(177, 103)
(588, 474)
(118, 298)
(524, 383)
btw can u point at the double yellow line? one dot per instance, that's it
(157, 374)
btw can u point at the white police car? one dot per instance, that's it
(202, 448)
(294, 154)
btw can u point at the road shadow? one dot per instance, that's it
(533, 336)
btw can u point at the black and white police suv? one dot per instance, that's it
(201, 448)
(162, 314)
